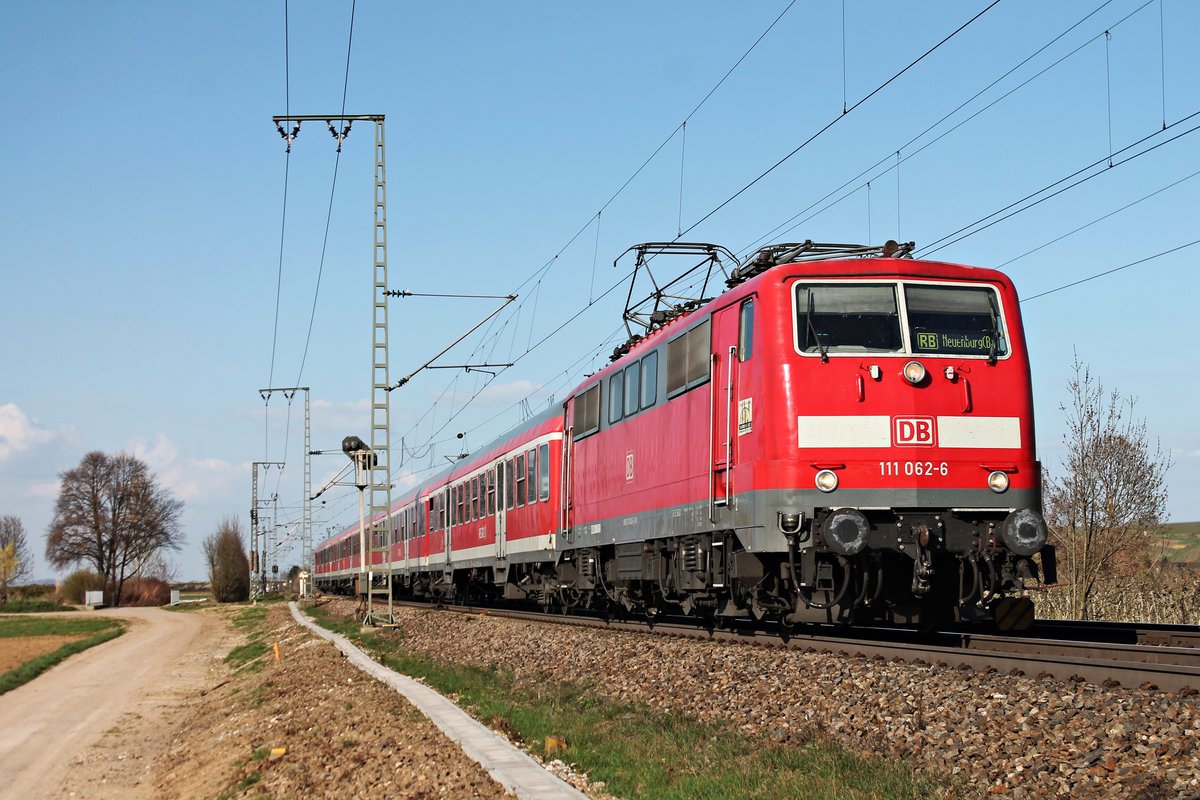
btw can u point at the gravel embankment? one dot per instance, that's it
(994, 735)
(345, 735)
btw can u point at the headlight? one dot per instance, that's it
(914, 372)
(827, 480)
(998, 482)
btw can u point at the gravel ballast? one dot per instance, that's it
(989, 734)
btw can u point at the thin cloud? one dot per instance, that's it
(19, 432)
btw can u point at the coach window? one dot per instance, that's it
(530, 473)
(422, 516)
(500, 486)
(616, 397)
(544, 471)
(508, 484)
(746, 331)
(954, 320)
(847, 318)
(520, 480)
(585, 418)
(491, 481)
(688, 359)
(632, 388)
(649, 367)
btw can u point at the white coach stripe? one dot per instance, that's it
(856, 431)
(1003, 432)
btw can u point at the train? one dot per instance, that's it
(842, 435)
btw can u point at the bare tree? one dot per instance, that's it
(111, 513)
(1109, 506)
(16, 562)
(228, 565)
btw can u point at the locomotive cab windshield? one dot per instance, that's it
(941, 319)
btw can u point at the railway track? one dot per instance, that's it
(1163, 658)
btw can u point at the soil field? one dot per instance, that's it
(19, 649)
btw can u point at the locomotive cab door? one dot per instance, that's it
(723, 406)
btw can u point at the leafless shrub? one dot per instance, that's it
(1106, 511)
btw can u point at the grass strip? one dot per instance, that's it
(16, 627)
(248, 657)
(32, 607)
(642, 752)
(101, 631)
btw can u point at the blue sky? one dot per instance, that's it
(141, 199)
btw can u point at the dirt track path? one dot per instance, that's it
(92, 726)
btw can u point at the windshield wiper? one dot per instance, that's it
(813, 330)
(995, 346)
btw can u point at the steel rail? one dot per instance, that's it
(1152, 667)
(1146, 633)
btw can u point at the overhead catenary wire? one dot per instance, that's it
(287, 160)
(838, 118)
(283, 236)
(530, 346)
(898, 155)
(1099, 219)
(539, 273)
(1106, 272)
(783, 226)
(337, 160)
(1043, 194)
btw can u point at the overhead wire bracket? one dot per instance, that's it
(287, 137)
(339, 137)
(508, 298)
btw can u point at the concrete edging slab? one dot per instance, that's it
(509, 766)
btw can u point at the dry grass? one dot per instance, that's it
(1169, 596)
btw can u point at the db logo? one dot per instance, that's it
(912, 432)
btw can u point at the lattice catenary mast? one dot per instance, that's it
(379, 543)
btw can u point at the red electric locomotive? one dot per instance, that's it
(844, 435)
